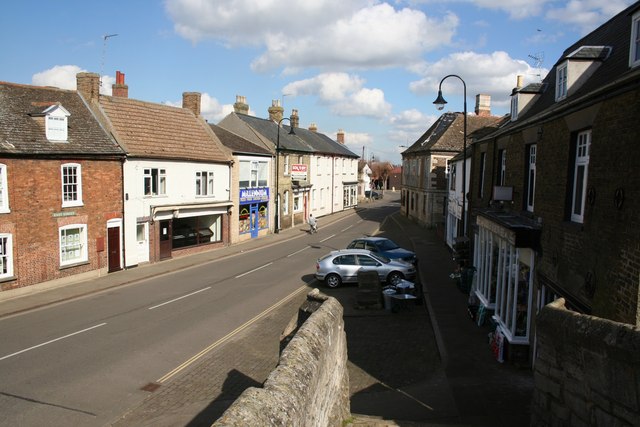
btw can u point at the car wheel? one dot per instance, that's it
(333, 280)
(394, 277)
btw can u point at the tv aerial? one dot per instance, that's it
(538, 59)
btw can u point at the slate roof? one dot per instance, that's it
(446, 134)
(159, 131)
(238, 144)
(22, 125)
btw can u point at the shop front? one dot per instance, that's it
(504, 258)
(253, 215)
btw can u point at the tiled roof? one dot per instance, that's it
(160, 131)
(22, 126)
(322, 144)
(238, 144)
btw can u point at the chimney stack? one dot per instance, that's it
(191, 100)
(120, 89)
(340, 136)
(241, 105)
(88, 84)
(483, 105)
(276, 112)
(313, 127)
(295, 119)
(519, 82)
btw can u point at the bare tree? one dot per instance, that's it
(381, 172)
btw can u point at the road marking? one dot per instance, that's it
(327, 238)
(51, 341)
(255, 269)
(297, 252)
(345, 229)
(239, 329)
(179, 298)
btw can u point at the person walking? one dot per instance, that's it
(313, 224)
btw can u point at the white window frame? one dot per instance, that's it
(562, 73)
(204, 187)
(286, 164)
(157, 180)
(78, 245)
(531, 177)
(483, 162)
(6, 255)
(297, 202)
(634, 53)
(4, 190)
(514, 107)
(56, 123)
(285, 204)
(71, 184)
(580, 176)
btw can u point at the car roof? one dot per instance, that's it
(371, 238)
(351, 251)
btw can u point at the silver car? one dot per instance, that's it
(342, 266)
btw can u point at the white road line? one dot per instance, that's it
(231, 334)
(179, 298)
(327, 238)
(255, 269)
(51, 341)
(297, 252)
(345, 229)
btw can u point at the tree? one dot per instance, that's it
(381, 172)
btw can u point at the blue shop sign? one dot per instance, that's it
(254, 195)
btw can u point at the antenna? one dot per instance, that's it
(538, 59)
(104, 53)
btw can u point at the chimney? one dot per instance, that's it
(120, 89)
(191, 100)
(519, 82)
(295, 119)
(340, 136)
(88, 84)
(276, 112)
(483, 105)
(313, 127)
(241, 105)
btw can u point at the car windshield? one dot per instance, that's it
(381, 258)
(387, 245)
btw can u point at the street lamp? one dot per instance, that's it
(291, 132)
(440, 102)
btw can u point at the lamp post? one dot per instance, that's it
(291, 132)
(440, 102)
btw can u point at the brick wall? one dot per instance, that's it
(310, 385)
(35, 202)
(587, 372)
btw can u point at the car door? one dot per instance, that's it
(368, 263)
(372, 247)
(347, 267)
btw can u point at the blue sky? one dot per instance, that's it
(368, 67)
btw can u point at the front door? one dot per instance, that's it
(166, 239)
(255, 221)
(113, 244)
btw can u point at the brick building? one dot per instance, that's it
(60, 188)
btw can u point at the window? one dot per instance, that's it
(561, 82)
(71, 185)
(318, 166)
(483, 157)
(531, 177)
(204, 183)
(155, 182)
(6, 255)
(580, 171)
(253, 173)
(4, 192)
(634, 55)
(502, 167)
(285, 203)
(286, 164)
(73, 244)
(297, 203)
(56, 123)
(452, 178)
(514, 107)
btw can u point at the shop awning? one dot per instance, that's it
(519, 230)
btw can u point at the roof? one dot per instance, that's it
(238, 144)
(161, 131)
(446, 134)
(22, 127)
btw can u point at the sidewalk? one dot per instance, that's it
(425, 366)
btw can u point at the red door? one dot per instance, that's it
(113, 243)
(166, 239)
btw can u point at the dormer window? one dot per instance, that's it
(56, 125)
(561, 82)
(634, 54)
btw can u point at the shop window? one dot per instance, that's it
(73, 244)
(71, 185)
(297, 202)
(197, 230)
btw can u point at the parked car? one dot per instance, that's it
(343, 265)
(370, 194)
(385, 247)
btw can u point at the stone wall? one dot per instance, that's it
(587, 372)
(310, 385)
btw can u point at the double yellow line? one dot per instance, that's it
(222, 340)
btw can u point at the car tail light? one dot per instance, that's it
(317, 266)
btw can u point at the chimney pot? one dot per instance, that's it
(295, 119)
(120, 89)
(340, 136)
(276, 112)
(313, 127)
(241, 105)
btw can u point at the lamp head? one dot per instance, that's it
(440, 101)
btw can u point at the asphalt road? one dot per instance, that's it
(85, 361)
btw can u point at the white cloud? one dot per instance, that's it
(325, 33)
(587, 14)
(64, 77)
(516, 9)
(358, 142)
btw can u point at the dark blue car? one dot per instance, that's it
(385, 247)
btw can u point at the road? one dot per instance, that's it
(86, 361)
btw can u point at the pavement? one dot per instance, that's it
(428, 364)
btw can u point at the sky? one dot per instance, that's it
(370, 68)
